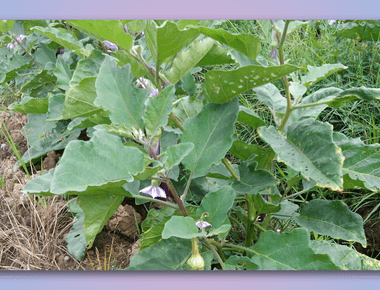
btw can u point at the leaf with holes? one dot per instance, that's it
(308, 148)
(332, 218)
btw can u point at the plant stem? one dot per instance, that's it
(176, 122)
(208, 244)
(176, 197)
(227, 163)
(27, 52)
(158, 201)
(259, 227)
(183, 197)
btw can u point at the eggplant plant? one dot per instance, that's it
(158, 136)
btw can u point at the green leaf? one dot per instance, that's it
(185, 108)
(170, 254)
(116, 94)
(181, 227)
(252, 180)
(55, 107)
(40, 185)
(63, 39)
(102, 163)
(263, 206)
(29, 105)
(308, 148)
(211, 133)
(136, 26)
(270, 95)
(63, 74)
(365, 30)
(9, 68)
(287, 211)
(111, 30)
(249, 117)
(176, 153)
(315, 73)
(153, 235)
(6, 25)
(222, 86)
(240, 263)
(345, 257)
(332, 218)
(158, 110)
(166, 40)
(188, 58)
(216, 55)
(79, 100)
(156, 217)
(42, 78)
(353, 94)
(289, 251)
(45, 57)
(97, 211)
(137, 68)
(223, 229)
(75, 239)
(217, 204)
(244, 43)
(188, 84)
(361, 164)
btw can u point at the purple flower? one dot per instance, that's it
(20, 37)
(202, 224)
(110, 45)
(154, 191)
(331, 22)
(11, 45)
(154, 93)
(273, 53)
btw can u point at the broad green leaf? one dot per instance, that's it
(263, 206)
(64, 39)
(63, 74)
(244, 151)
(185, 108)
(365, 30)
(240, 263)
(153, 235)
(166, 40)
(42, 78)
(222, 86)
(217, 204)
(79, 101)
(249, 117)
(181, 227)
(317, 73)
(40, 185)
(111, 30)
(188, 58)
(287, 211)
(55, 107)
(156, 217)
(216, 55)
(9, 68)
(29, 105)
(137, 68)
(332, 218)
(353, 94)
(75, 239)
(183, 23)
(176, 153)
(45, 57)
(170, 254)
(289, 251)
(270, 95)
(293, 25)
(242, 59)
(97, 165)
(87, 67)
(97, 211)
(211, 133)
(297, 90)
(223, 229)
(345, 257)
(158, 110)
(188, 84)
(117, 94)
(244, 43)
(308, 148)
(220, 171)
(252, 180)
(6, 25)
(362, 162)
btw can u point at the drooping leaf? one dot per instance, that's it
(102, 163)
(345, 257)
(244, 43)
(289, 251)
(244, 151)
(365, 30)
(222, 86)
(181, 227)
(249, 117)
(176, 153)
(116, 94)
(170, 254)
(158, 110)
(308, 148)
(63, 74)
(216, 55)
(188, 58)
(40, 185)
(29, 105)
(270, 95)
(97, 211)
(353, 94)
(315, 74)
(217, 204)
(211, 133)
(361, 162)
(111, 30)
(332, 218)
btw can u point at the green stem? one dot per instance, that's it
(230, 169)
(176, 197)
(183, 197)
(208, 244)
(259, 227)
(158, 201)
(252, 215)
(176, 122)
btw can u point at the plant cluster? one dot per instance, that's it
(157, 135)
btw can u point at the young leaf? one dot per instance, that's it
(217, 204)
(111, 30)
(222, 86)
(289, 251)
(315, 74)
(158, 110)
(211, 133)
(188, 58)
(117, 94)
(244, 43)
(176, 153)
(97, 211)
(288, 210)
(181, 227)
(96, 165)
(308, 148)
(332, 218)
